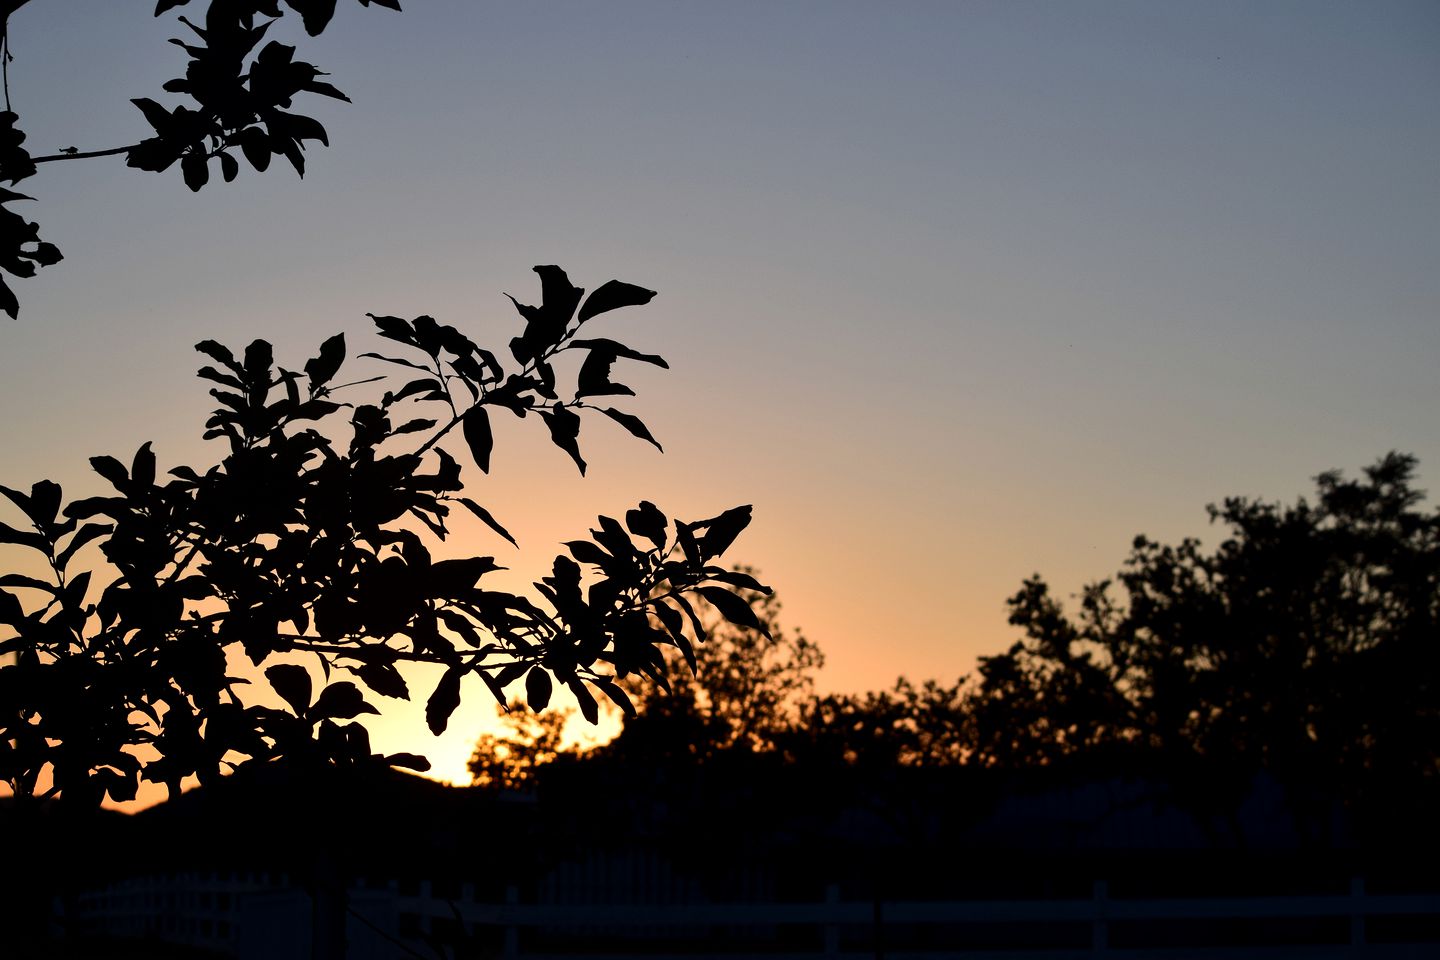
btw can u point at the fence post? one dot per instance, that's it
(1099, 928)
(512, 929)
(832, 929)
(1357, 911)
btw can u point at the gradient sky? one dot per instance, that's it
(952, 292)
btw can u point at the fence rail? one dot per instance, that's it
(1100, 913)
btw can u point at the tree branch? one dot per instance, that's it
(77, 155)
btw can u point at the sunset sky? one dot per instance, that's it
(951, 292)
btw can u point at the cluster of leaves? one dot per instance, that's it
(241, 101)
(304, 546)
(21, 249)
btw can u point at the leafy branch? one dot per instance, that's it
(307, 544)
(241, 102)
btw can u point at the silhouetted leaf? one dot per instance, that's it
(259, 358)
(733, 608)
(564, 427)
(647, 521)
(538, 688)
(297, 126)
(27, 538)
(589, 709)
(325, 90)
(632, 423)
(497, 689)
(210, 373)
(11, 612)
(432, 389)
(315, 14)
(8, 301)
(587, 552)
(153, 154)
(255, 144)
(722, 531)
(112, 470)
(290, 150)
(444, 700)
(73, 596)
(84, 535)
(460, 624)
(292, 683)
(476, 427)
(340, 701)
(613, 295)
(685, 536)
(594, 378)
(559, 297)
(384, 679)
(219, 353)
(44, 502)
(142, 468)
(412, 426)
(738, 579)
(21, 580)
(21, 500)
(323, 368)
(669, 616)
(680, 601)
(619, 350)
(617, 695)
(195, 169)
(453, 578)
(155, 115)
(229, 167)
(487, 519)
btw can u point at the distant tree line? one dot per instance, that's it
(1304, 648)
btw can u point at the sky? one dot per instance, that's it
(953, 293)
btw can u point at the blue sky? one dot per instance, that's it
(952, 292)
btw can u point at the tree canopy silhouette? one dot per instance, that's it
(240, 104)
(310, 543)
(1307, 645)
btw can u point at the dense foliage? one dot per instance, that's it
(310, 544)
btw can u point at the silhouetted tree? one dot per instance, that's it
(1306, 645)
(906, 726)
(728, 687)
(240, 103)
(306, 544)
(528, 741)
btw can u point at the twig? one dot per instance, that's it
(79, 155)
